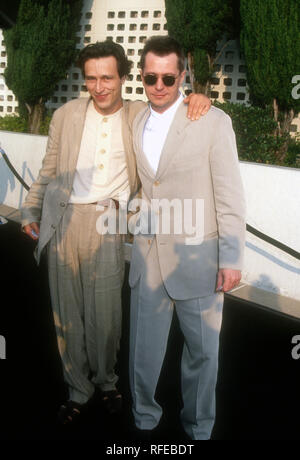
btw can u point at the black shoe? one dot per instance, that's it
(111, 401)
(69, 413)
(142, 435)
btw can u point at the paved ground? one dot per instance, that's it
(258, 394)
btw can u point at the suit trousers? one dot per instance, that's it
(200, 321)
(86, 272)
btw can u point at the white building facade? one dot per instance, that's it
(130, 23)
(8, 101)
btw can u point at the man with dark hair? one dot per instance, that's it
(105, 49)
(89, 169)
(194, 168)
(162, 47)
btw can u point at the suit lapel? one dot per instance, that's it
(75, 136)
(174, 140)
(141, 157)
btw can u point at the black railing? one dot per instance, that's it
(273, 242)
(249, 228)
(13, 170)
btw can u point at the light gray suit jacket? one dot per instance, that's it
(48, 196)
(198, 161)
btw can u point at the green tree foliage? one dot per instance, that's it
(198, 25)
(270, 38)
(41, 46)
(254, 130)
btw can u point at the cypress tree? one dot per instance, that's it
(198, 25)
(40, 47)
(270, 37)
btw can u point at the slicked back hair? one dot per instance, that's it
(162, 45)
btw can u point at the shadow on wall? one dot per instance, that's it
(286, 272)
(265, 281)
(24, 176)
(273, 258)
(6, 180)
(264, 284)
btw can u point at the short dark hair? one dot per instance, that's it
(105, 49)
(162, 45)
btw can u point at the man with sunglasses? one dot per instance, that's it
(181, 163)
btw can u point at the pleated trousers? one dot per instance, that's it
(150, 320)
(86, 272)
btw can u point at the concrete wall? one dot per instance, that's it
(25, 151)
(273, 207)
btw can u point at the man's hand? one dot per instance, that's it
(199, 104)
(228, 279)
(32, 230)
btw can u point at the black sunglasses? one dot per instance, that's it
(168, 80)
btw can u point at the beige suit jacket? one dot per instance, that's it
(199, 161)
(49, 195)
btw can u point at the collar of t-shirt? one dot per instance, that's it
(101, 170)
(155, 132)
